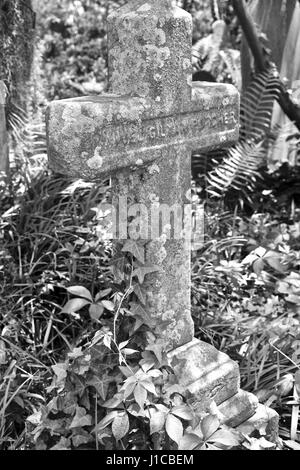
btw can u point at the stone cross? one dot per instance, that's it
(142, 134)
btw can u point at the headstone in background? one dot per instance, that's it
(142, 134)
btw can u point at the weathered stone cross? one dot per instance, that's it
(142, 135)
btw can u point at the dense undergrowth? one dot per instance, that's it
(245, 296)
(79, 362)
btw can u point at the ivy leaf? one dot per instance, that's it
(101, 385)
(138, 251)
(69, 404)
(258, 266)
(140, 395)
(162, 408)
(209, 426)
(63, 444)
(76, 352)
(147, 362)
(157, 421)
(105, 434)
(135, 410)
(81, 418)
(159, 350)
(140, 293)
(108, 305)
(107, 420)
(82, 364)
(96, 311)
(107, 338)
(142, 271)
(120, 426)
(118, 268)
(174, 428)
(102, 293)
(123, 344)
(128, 390)
(80, 439)
(149, 386)
(126, 371)
(60, 371)
(80, 291)
(155, 373)
(275, 263)
(189, 442)
(129, 352)
(183, 412)
(138, 311)
(115, 401)
(74, 305)
(35, 418)
(225, 437)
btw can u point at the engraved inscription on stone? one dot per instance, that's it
(174, 129)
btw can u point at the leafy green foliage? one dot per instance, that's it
(246, 298)
(74, 43)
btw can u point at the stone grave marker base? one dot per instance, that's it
(206, 375)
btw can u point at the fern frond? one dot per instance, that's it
(239, 170)
(203, 163)
(29, 135)
(257, 105)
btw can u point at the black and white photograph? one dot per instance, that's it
(149, 228)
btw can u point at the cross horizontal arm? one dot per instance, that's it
(90, 137)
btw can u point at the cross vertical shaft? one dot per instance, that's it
(149, 56)
(150, 53)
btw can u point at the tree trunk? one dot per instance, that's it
(4, 166)
(273, 18)
(289, 70)
(288, 115)
(17, 23)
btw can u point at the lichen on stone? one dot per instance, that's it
(154, 168)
